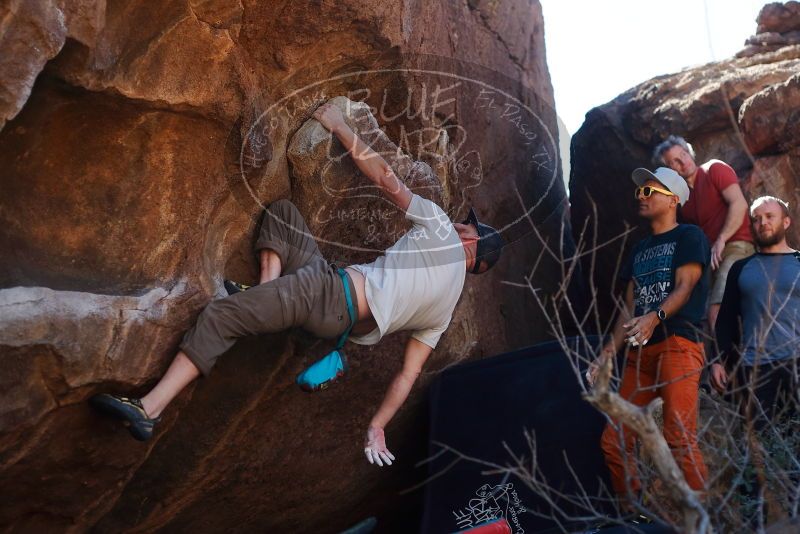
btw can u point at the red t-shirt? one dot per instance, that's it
(707, 208)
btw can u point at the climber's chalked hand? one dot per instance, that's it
(375, 448)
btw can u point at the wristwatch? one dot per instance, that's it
(662, 315)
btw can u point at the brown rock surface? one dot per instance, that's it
(780, 17)
(119, 211)
(742, 111)
(133, 172)
(163, 53)
(778, 176)
(770, 119)
(31, 33)
(778, 26)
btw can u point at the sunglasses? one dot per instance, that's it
(648, 190)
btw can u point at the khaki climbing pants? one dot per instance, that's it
(308, 294)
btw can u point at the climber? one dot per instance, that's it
(414, 286)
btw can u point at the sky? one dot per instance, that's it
(597, 49)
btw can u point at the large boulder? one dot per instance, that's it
(134, 172)
(779, 17)
(778, 27)
(770, 119)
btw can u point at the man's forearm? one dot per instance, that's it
(727, 331)
(395, 396)
(733, 219)
(367, 160)
(677, 299)
(617, 335)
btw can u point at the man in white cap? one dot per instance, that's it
(666, 280)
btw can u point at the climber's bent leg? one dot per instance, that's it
(270, 265)
(284, 232)
(263, 309)
(313, 299)
(180, 374)
(283, 245)
(256, 311)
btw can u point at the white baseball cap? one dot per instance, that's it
(666, 177)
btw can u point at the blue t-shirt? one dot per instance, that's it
(760, 311)
(652, 265)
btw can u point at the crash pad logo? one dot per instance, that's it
(492, 503)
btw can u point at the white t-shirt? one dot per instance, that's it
(416, 284)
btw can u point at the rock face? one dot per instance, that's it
(779, 17)
(33, 33)
(778, 26)
(138, 144)
(770, 119)
(743, 111)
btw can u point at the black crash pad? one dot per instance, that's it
(477, 407)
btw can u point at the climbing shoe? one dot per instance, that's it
(129, 410)
(235, 287)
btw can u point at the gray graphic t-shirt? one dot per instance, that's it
(652, 265)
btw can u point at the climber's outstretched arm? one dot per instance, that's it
(416, 354)
(367, 160)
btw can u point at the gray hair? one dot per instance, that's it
(768, 198)
(669, 142)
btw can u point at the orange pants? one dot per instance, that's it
(669, 369)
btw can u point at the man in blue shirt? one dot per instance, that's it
(758, 329)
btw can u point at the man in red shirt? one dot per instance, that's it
(716, 204)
